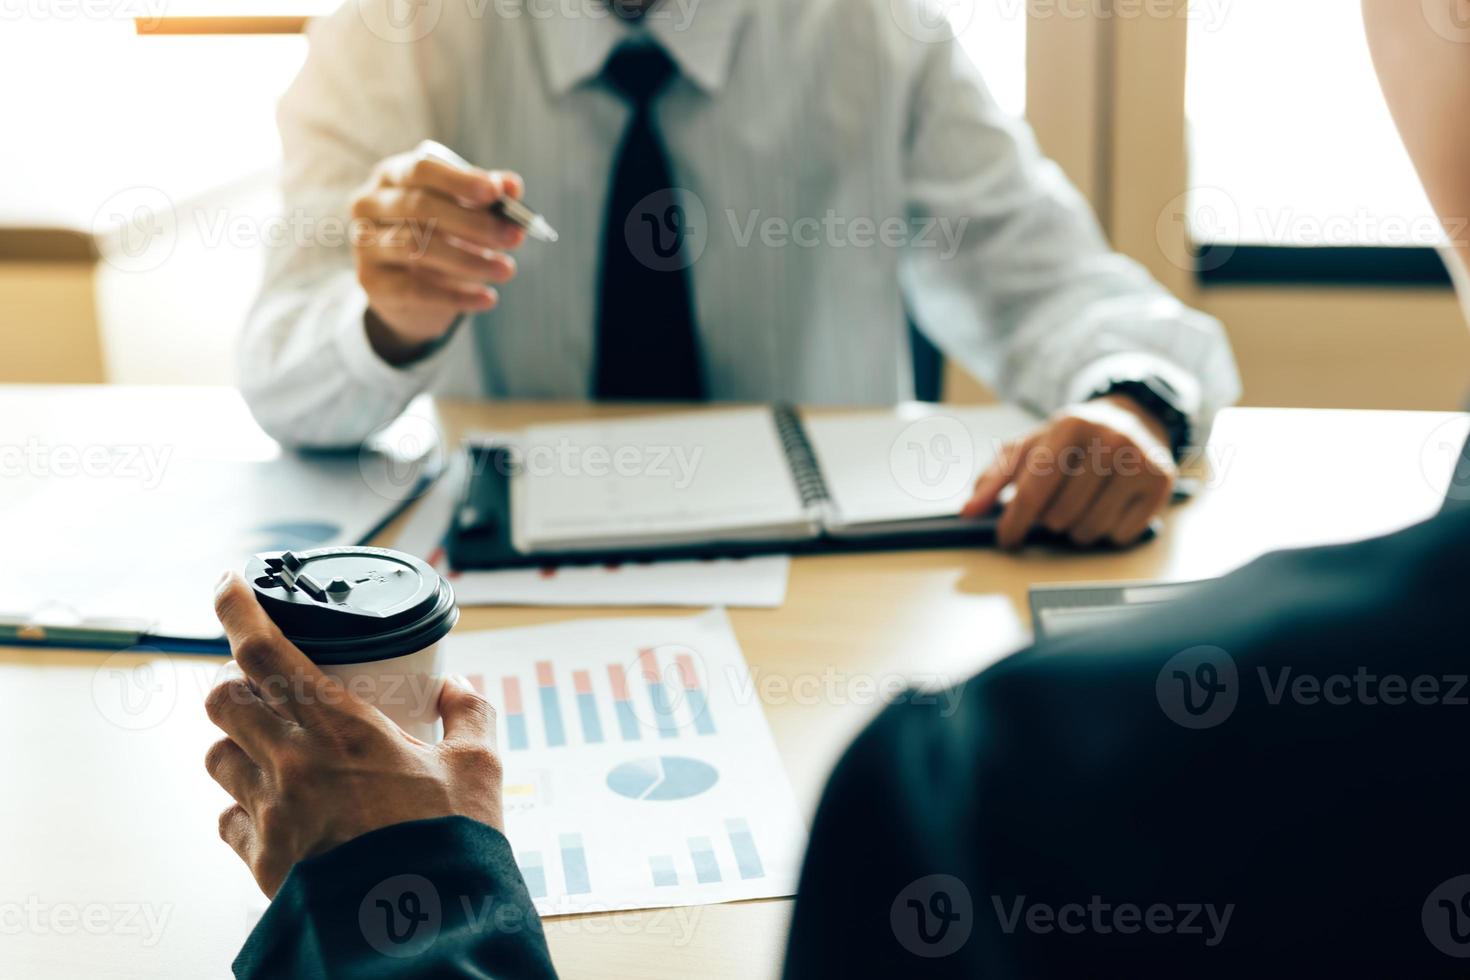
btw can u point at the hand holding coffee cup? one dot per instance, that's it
(312, 765)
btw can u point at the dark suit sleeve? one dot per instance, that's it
(431, 898)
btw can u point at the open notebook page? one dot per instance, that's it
(910, 465)
(656, 480)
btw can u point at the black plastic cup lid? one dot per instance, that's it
(353, 604)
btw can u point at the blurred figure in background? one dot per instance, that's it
(755, 197)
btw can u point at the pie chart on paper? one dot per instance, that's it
(664, 777)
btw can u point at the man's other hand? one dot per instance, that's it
(1099, 471)
(311, 766)
(427, 248)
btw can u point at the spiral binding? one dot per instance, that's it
(799, 455)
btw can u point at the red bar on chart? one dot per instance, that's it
(515, 713)
(663, 711)
(587, 707)
(550, 704)
(704, 722)
(623, 702)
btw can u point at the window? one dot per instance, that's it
(188, 114)
(993, 33)
(1293, 149)
(180, 115)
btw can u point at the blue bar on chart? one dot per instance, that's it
(747, 858)
(706, 868)
(534, 871)
(663, 870)
(662, 710)
(704, 722)
(550, 706)
(587, 707)
(515, 713)
(623, 702)
(574, 865)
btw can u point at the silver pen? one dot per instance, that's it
(521, 216)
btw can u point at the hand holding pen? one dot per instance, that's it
(432, 240)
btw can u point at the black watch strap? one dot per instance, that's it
(1161, 400)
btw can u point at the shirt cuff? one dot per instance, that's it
(1138, 366)
(368, 368)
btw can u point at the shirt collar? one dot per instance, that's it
(699, 35)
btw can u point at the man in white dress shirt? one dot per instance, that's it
(754, 199)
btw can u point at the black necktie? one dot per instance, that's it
(646, 348)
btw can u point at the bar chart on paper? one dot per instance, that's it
(658, 696)
(639, 768)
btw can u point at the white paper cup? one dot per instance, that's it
(370, 617)
(405, 688)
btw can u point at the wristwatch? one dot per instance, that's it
(1161, 400)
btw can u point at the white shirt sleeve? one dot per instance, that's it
(1016, 281)
(307, 368)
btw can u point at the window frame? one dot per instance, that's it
(1109, 106)
(1362, 266)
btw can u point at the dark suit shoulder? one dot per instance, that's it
(1171, 763)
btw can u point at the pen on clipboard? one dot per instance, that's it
(521, 216)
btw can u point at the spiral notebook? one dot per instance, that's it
(727, 482)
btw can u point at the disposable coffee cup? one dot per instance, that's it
(370, 617)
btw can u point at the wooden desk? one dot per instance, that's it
(97, 816)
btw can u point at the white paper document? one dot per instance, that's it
(126, 504)
(740, 582)
(640, 771)
(720, 473)
(885, 466)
